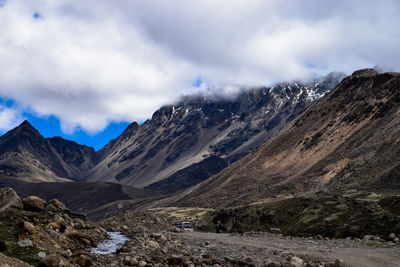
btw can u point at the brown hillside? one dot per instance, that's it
(349, 139)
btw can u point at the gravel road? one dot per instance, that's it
(263, 247)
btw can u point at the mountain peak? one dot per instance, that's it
(25, 126)
(364, 73)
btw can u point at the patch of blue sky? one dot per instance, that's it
(37, 15)
(197, 82)
(7, 102)
(50, 126)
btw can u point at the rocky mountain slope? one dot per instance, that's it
(180, 146)
(348, 140)
(26, 155)
(199, 136)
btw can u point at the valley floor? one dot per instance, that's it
(261, 248)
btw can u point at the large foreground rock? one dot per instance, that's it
(34, 203)
(10, 202)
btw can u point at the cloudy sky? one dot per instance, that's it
(84, 69)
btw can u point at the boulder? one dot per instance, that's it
(10, 202)
(34, 203)
(56, 205)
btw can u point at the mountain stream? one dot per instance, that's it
(116, 241)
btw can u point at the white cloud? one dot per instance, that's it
(92, 62)
(9, 118)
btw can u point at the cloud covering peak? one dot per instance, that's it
(92, 62)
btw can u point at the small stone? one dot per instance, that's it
(69, 230)
(25, 243)
(154, 244)
(156, 235)
(63, 263)
(275, 230)
(269, 263)
(368, 237)
(62, 238)
(28, 227)
(134, 261)
(58, 219)
(339, 263)
(392, 236)
(49, 261)
(142, 263)
(40, 255)
(86, 241)
(396, 240)
(53, 225)
(296, 262)
(84, 261)
(127, 260)
(124, 227)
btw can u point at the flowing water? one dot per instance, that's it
(116, 241)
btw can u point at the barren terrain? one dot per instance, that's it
(265, 247)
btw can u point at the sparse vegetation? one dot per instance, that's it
(331, 215)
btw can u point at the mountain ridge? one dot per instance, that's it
(348, 140)
(179, 140)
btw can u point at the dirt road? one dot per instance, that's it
(263, 247)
